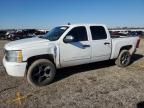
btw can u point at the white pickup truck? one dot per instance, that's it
(69, 45)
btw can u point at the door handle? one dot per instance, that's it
(86, 46)
(106, 43)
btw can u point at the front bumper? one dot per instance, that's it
(15, 69)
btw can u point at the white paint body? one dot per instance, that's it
(67, 54)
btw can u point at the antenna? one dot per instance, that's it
(69, 23)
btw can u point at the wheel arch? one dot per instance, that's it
(34, 58)
(128, 47)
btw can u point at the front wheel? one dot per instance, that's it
(123, 59)
(41, 72)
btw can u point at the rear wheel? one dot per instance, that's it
(41, 72)
(123, 59)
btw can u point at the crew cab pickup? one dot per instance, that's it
(38, 58)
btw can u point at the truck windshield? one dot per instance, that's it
(55, 33)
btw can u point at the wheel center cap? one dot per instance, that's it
(42, 73)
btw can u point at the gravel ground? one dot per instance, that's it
(98, 85)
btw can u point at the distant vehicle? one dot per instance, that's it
(40, 33)
(9, 34)
(3, 34)
(21, 34)
(133, 33)
(125, 32)
(16, 35)
(65, 46)
(29, 32)
(136, 33)
(117, 33)
(26, 33)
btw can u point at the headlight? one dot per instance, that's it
(14, 56)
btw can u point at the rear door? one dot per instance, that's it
(101, 44)
(78, 51)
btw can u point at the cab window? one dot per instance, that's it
(79, 34)
(98, 32)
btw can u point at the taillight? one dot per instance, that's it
(138, 42)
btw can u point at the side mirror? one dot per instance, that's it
(68, 39)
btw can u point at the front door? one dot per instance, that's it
(78, 51)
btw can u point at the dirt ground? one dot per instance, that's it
(97, 85)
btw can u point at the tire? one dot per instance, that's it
(123, 59)
(11, 38)
(41, 72)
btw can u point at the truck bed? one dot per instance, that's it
(119, 41)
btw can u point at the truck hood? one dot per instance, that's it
(25, 43)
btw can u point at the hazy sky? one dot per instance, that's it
(49, 13)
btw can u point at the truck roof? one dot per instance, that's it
(74, 25)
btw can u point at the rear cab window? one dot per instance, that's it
(98, 32)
